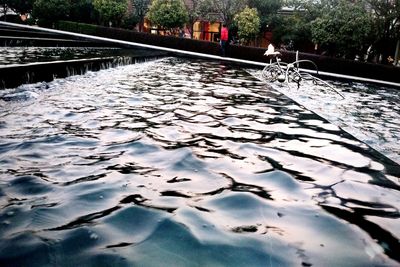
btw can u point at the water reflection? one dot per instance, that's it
(369, 112)
(187, 163)
(24, 55)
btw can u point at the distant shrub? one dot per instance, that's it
(45, 23)
(51, 10)
(77, 27)
(11, 18)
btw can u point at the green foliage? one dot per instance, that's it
(196, 9)
(224, 9)
(344, 30)
(387, 15)
(168, 14)
(342, 27)
(51, 10)
(140, 8)
(248, 24)
(266, 7)
(77, 27)
(81, 10)
(19, 6)
(129, 22)
(293, 32)
(111, 10)
(387, 24)
(267, 10)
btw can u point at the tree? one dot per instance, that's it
(5, 7)
(196, 10)
(81, 10)
(248, 24)
(111, 11)
(18, 6)
(140, 8)
(225, 9)
(387, 20)
(292, 31)
(21, 6)
(267, 9)
(168, 14)
(345, 30)
(51, 10)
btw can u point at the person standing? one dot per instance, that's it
(224, 39)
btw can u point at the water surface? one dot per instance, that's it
(25, 55)
(186, 163)
(369, 112)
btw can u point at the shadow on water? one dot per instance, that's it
(187, 163)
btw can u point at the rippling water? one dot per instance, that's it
(187, 163)
(369, 112)
(23, 55)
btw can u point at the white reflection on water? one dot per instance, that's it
(369, 112)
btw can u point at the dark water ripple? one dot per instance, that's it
(369, 112)
(24, 55)
(187, 163)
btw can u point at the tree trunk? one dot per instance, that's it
(141, 24)
(191, 30)
(396, 54)
(5, 12)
